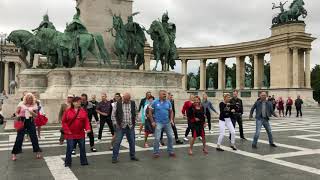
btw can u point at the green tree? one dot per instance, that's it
(315, 82)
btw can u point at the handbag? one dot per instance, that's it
(71, 122)
(18, 124)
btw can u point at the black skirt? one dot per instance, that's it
(148, 127)
(197, 129)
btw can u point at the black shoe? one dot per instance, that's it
(254, 146)
(179, 142)
(93, 149)
(73, 152)
(85, 164)
(67, 165)
(114, 161)
(273, 145)
(219, 149)
(134, 159)
(243, 138)
(233, 148)
(162, 143)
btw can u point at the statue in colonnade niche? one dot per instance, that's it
(248, 82)
(229, 82)
(193, 83)
(211, 83)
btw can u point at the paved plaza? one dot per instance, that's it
(297, 157)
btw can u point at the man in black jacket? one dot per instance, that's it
(298, 103)
(237, 116)
(94, 103)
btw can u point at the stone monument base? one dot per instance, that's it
(54, 85)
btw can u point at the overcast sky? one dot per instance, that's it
(199, 22)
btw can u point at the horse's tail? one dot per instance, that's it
(104, 54)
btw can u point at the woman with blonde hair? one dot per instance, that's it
(26, 112)
(226, 110)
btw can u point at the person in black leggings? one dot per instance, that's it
(174, 128)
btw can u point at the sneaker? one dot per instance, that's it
(185, 139)
(134, 159)
(114, 161)
(93, 149)
(111, 148)
(219, 149)
(146, 145)
(179, 142)
(233, 148)
(200, 138)
(173, 155)
(243, 138)
(254, 146)
(73, 152)
(85, 164)
(273, 145)
(99, 141)
(162, 143)
(210, 132)
(156, 156)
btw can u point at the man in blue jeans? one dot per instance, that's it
(161, 116)
(264, 110)
(124, 113)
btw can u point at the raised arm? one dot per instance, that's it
(252, 110)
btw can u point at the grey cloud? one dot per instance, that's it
(199, 22)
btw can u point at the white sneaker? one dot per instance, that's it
(200, 138)
(99, 141)
(210, 132)
(185, 139)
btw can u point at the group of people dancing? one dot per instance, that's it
(156, 116)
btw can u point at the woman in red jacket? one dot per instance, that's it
(75, 124)
(196, 117)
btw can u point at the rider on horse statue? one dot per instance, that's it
(76, 25)
(170, 29)
(135, 40)
(45, 23)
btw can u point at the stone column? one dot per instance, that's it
(147, 57)
(184, 71)
(240, 74)
(261, 70)
(307, 69)
(295, 69)
(221, 73)
(16, 72)
(203, 63)
(256, 71)
(6, 77)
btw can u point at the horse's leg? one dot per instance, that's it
(94, 51)
(31, 59)
(60, 58)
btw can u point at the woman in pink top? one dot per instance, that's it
(26, 111)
